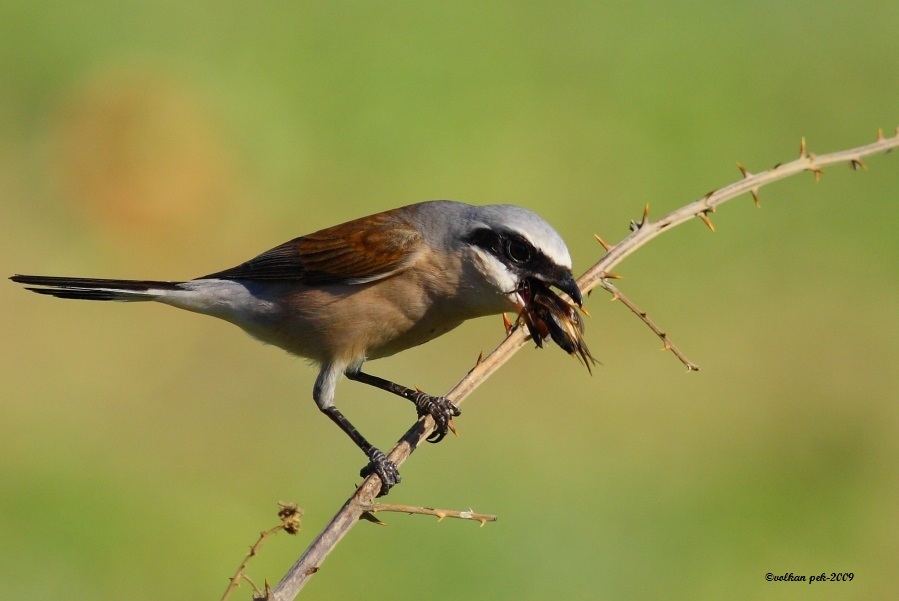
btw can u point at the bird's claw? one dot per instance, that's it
(441, 409)
(384, 468)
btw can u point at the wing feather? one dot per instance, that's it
(362, 250)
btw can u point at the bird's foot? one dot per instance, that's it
(384, 468)
(441, 409)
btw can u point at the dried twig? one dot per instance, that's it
(642, 232)
(440, 514)
(667, 345)
(290, 515)
(646, 230)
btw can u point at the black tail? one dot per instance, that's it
(94, 289)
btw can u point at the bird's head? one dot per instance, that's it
(511, 247)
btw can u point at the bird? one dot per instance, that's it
(366, 289)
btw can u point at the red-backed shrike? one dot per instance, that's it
(366, 289)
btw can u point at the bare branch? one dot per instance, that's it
(642, 232)
(667, 345)
(290, 516)
(709, 202)
(440, 514)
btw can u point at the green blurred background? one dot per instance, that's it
(143, 449)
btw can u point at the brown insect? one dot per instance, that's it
(548, 315)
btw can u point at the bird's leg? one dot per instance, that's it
(380, 465)
(323, 394)
(440, 408)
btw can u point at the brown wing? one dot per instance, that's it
(358, 251)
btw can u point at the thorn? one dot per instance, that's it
(818, 173)
(612, 276)
(480, 358)
(482, 522)
(265, 594)
(507, 324)
(452, 426)
(604, 244)
(667, 345)
(584, 311)
(634, 226)
(755, 197)
(440, 516)
(705, 219)
(743, 170)
(802, 148)
(880, 137)
(370, 517)
(615, 297)
(856, 163)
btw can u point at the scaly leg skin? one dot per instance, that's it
(379, 464)
(440, 408)
(384, 468)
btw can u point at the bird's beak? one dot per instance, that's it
(569, 287)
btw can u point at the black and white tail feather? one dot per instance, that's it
(96, 289)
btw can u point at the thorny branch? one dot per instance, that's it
(641, 233)
(290, 516)
(440, 514)
(667, 345)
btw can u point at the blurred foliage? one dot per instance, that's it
(142, 449)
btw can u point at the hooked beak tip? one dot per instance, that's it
(570, 287)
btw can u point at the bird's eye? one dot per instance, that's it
(518, 251)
